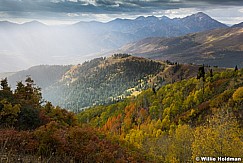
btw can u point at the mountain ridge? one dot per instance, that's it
(238, 25)
(103, 80)
(219, 47)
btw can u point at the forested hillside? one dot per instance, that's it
(102, 81)
(109, 80)
(202, 116)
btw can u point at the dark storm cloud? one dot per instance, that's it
(16, 7)
(98, 6)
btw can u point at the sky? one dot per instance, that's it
(70, 11)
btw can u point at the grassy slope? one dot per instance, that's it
(213, 47)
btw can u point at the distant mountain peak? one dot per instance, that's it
(119, 20)
(140, 18)
(81, 23)
(152, 17)
(164, 18)
(238, 25)
(34, 23)
(8, 23)
(199, 20)
(201, 14)
(5, 21)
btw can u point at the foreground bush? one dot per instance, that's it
(56, 143)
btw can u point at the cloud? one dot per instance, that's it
(74, 9)
(94, 6)
(241, 10)
(105, 6)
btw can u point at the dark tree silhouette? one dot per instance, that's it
(201, 73)
(236, 68)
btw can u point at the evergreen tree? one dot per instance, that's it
(8, 113)
(29, 97)
(211, 73)
(236, 68)
(201, 73)
(4, 84)
(5, 92)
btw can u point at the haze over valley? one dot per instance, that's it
(34, 43)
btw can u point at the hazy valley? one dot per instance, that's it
(34, 43)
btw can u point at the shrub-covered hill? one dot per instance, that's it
(179, 121)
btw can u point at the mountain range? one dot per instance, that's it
(34, 43)
(219, 47)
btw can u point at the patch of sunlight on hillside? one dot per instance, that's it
(135, 93)
(213, 38)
